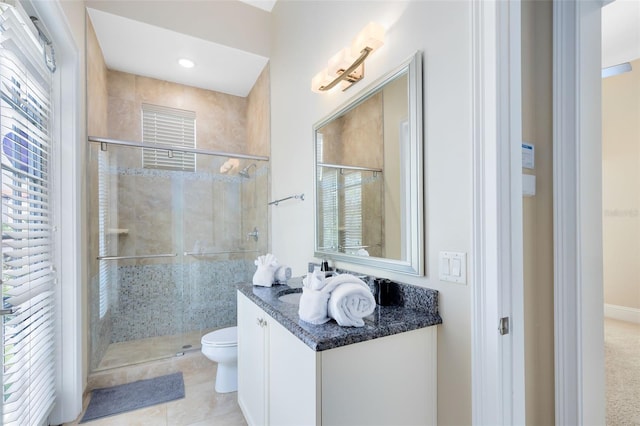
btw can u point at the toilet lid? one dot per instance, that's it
(223, 337)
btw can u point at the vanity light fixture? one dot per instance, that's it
(347, 66)
(186, 63)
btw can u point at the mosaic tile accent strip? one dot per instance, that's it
(162, 299)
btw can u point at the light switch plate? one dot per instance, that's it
(457, 267)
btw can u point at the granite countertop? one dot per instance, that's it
(419, 309)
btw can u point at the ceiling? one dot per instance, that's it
(149, 41)
(620, 32)
(137, 39)
(262, 4)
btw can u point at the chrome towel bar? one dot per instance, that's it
(297, 197)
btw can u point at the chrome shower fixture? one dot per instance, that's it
(245, 172)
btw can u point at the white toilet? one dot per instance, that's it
(221, 346)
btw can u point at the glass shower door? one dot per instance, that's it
(136, 311)
(169, 249)
(222, 237)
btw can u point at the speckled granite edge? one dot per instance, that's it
(419, 309)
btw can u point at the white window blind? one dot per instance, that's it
(352, 211)
(171, 127)
(104, 272)
(328, 197)
(28, 273)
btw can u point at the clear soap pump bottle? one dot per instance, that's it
(318, 278)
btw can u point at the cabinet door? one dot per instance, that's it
(293, 380)
(388, 381)
(252, 367)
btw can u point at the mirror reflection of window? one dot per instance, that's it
(352, 234)
(369, 185)
(328, 198)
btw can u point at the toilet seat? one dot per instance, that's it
(222, 338)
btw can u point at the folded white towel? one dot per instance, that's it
(314, 280)
(266, 266)
(229, 165)
(313, 306)
(362, 252)
(349, 302)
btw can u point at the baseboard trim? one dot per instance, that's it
(622, 313)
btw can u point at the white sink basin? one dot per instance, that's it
(291, 296)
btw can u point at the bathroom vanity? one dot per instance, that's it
(294, 373)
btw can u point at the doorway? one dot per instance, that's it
(621, 209)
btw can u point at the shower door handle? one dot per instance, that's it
(138, 256)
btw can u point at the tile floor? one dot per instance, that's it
(201, 406)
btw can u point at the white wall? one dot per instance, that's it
(306, 34)
(621, 198)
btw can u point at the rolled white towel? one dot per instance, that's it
(332, 282)
(313, 306)
(282, 273)
(349, 302)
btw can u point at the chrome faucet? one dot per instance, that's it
(253, 234)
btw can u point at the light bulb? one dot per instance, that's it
(186, 63)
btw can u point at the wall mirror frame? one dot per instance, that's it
(399, 243)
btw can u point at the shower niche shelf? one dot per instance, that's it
(118, 231)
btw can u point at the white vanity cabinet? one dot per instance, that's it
(281, 381)
(276, 371)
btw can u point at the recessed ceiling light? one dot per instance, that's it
(187, 63)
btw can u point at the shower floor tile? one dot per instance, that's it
(150, 349)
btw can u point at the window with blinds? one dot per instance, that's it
(28, 273)
(327, 190)
(172, 127)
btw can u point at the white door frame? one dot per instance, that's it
(577, 205)
(70, 131)
(497, 361)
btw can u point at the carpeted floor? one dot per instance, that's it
(622, 359)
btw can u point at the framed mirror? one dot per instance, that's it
(369, 175)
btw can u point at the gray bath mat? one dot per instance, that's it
(131, 396)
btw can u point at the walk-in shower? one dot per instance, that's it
(169, 242)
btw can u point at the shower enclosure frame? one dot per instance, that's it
(105, 142)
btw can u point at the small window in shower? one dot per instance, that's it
(168, 126)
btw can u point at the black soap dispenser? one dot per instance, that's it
(387, 293)
(325, 268)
